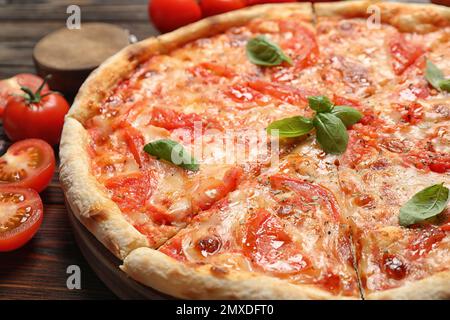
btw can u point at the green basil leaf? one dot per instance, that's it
(291, 127)
(320, 103)
(433, 75)
(445, 85)
(425, 204)
(348, 115)
(331, 133)
(261, 51)
(173, 152)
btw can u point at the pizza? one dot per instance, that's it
(253, 215)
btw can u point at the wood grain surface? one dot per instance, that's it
(38, 270)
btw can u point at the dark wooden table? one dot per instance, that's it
(38, 270)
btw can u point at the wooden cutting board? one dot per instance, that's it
(71, 55)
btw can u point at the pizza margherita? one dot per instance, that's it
(348, 202)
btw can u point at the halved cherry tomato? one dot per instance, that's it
(168, 15)
(11, 86)
(28, 163)
(37, 114)
(21, 214)
(213, 7)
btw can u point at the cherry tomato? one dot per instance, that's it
(35, 115)
(21, 214)
(213, 7)
(28, 163)
(168, 15)
(11, 86)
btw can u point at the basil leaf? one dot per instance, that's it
(445, 85)
(348, 115)
(331, 133)
(173, 152)
(425, 204)
(261, 51)
(291, 127)
(436, 77)
(320, 103)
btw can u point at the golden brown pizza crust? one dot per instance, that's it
(155, 269)
(87, 200)
(416, 17)
(432, 288)
(91, 205)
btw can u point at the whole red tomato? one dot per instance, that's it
(11, 86)
(35, 115)
(168, 15)
(212, 7)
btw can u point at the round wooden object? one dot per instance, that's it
(71, 55)
(106, 266)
